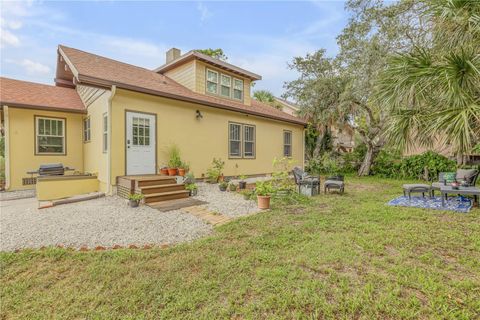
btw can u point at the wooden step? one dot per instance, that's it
(162, 188)
(155, 182)
(157, 197)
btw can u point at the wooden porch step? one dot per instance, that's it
(162, 188)
(163, 196)
(143, 182)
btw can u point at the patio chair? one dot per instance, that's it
(469, 175)
(302, 179)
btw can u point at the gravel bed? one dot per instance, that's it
(103, 222)
(20, 194)
(228, 203)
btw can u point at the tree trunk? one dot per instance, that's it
(370, 155)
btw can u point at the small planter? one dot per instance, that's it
(164, 171)
(134, 203)
(263, 202)
(193, 192)
(222, 187)
(242, 185)
(181, 172)
(172, 171)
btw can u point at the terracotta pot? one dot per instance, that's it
(263, 202)
(181, 172)
(164, 171)
(172, 171)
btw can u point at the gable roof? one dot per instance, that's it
(206, 58)
(96, 70)
(24, 94)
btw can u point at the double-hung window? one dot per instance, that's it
(287, 143)
(105, 132)
(50, 135)
(248, 141)
(212, 81)
(86, 130)
(238, 89)
(241, 140)
(235, 140)
(226, 85)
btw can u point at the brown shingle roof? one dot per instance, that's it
(17, 93)
(98, 70)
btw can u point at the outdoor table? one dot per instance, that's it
(472, 191)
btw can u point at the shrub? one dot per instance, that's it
(387, 164)
(264, 188)
(281, 180)
(428, 162)
(215, 171)
(135, 197)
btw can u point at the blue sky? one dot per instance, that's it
(258, 36)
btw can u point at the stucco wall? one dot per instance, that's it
(200, 140)
(95, 160)
(21, 137)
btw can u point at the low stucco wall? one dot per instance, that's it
(59, 187)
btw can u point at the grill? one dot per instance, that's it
(51, 169)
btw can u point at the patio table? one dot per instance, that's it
(472, 191)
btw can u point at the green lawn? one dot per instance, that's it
(344, 257)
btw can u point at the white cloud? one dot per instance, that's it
(205, 13)
(32, 67)
(7, 38)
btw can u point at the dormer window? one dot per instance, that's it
(238, 89)
(212, 81)
(224, 85)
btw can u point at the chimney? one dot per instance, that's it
(172, 54)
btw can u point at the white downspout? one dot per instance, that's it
(6, 122)
(109, 140)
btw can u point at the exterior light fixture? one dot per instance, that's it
(199, 115)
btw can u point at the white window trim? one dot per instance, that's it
(222, 85)
(37, 135)
(219, 85)
(286, 144)
(242, 90)
(87, 130)
(254, 142)
(207, 81)
(105, 133)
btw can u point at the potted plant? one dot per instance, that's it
(134, 199)
(264, 190)
(164, 171)
(232, 187)
(183, 169)
(174, 160)
(242, 184)
(247, 194)
(193, 188)
(223, 186)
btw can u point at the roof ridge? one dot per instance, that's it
(104, 57)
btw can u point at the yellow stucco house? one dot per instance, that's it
(113, 119)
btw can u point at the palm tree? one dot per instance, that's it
(266, 97)
(434, 89)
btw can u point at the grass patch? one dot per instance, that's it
(337, 256)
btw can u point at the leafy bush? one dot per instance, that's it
(2, 167)
(135, 197)
(390, 164)
(281, 180)
(264, 188)
(415, 166)
(215, 171)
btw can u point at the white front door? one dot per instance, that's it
(140, 143)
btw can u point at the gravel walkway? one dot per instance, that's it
(104, 222)
(230, 204)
